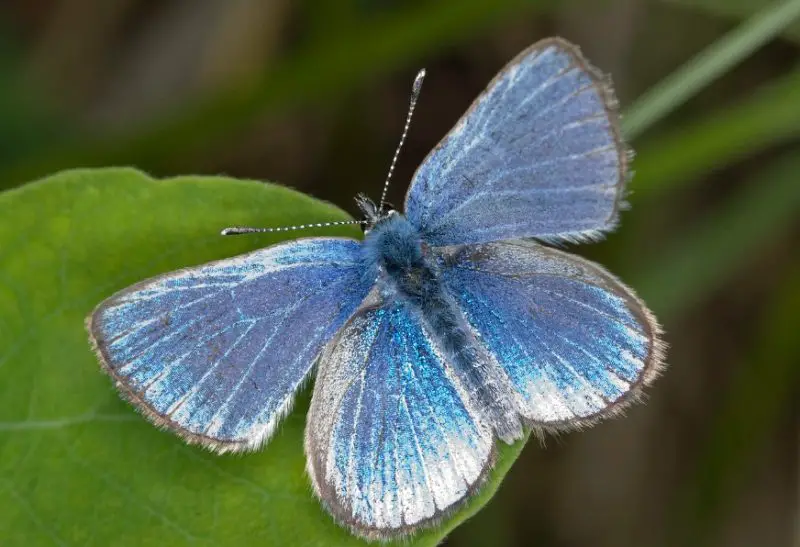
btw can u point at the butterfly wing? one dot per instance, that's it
(538, 154)
(575, 342)
(392, 440)
(217, 352)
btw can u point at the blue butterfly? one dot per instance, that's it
(446, 329)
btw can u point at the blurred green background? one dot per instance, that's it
(313, 94)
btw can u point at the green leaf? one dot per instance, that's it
(77, 465)
(708, 65)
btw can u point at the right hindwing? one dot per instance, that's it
(575, 343)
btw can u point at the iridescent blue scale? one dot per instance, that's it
(444, 331)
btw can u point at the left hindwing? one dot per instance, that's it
(392, 440)
(575, 343)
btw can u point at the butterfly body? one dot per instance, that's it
(450, 326)
(408, 272)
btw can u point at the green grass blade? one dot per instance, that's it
(704, 256)
(760, 393)
(708, 65)
(734, 9)
(677, 156)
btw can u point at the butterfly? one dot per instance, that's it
(449, 328)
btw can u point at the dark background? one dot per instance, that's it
(313, 95)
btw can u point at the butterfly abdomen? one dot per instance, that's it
(406, 272)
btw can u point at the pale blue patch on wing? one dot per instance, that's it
(537, 155)
(572, 339)
(219, 350)
(391, 439)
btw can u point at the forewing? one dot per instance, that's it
(217, 352)
(392, 441)
(574, 341)
(538, 154)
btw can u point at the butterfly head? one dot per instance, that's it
(373, 215)
(371, 211)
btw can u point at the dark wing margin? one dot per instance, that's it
(574, 341)
(538, 154)
(217, 352)
(392, 441)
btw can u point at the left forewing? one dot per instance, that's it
(217, 352)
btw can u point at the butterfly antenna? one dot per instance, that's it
(237, 230)
(415, 89)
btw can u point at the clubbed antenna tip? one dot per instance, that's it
(417, 87)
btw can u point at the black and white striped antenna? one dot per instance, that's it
(237, 230)
(415, 89)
